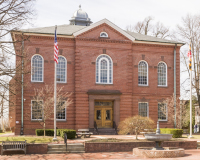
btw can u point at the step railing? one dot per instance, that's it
(115, 127)
(65, 140)
(95, 127)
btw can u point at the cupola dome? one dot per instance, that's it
(80, 17)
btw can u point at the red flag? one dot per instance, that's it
(189, 52)
(190, 57)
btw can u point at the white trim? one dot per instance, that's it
(108, 23)
(147, 73)
(42, 68)
(65, 70)
(103, 36)
(166, 74)
(108, 77)
(31, 112)
(166, 114)
(147, 108)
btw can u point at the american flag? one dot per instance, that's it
(55, 49)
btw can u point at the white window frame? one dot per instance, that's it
(164, 120)
(108, 69)
(104, 36)
(65, 71)
(32, 114)
(65, 114)
(147, 74)
(42, 68)
(166, 73)
(147, 108)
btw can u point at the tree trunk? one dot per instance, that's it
(44, 129)
(136, 133)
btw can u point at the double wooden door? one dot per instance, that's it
(103, 114)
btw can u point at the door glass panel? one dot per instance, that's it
(107, 114)
(99, 103)
(98, 114)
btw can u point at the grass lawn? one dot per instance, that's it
(31, 139)
(6, 132)
(195, 136)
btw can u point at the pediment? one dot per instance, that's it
(94, 31)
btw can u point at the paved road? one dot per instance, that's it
(193, 154)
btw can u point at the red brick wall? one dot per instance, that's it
(30, 149)
(128, 146)
(81, 54)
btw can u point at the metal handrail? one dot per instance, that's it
(95, 127)
(65, 140)
(115, 127)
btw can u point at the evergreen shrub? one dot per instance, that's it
(177, 133)
(48, 132)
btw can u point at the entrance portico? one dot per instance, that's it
(106, 109)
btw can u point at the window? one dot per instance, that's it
(61, 111)
(36, 110)
(37, 68)
(103, 34)
(104, 70)
(61, 70)
(162, 111)
(143, 109)
(143, 73)
(162, 74)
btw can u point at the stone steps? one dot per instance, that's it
(61, 148)
(198, 145)
(104, 131)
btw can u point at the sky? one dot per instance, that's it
(120, 12)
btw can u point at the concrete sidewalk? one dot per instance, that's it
(193, 154)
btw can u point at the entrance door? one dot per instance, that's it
(103, 114)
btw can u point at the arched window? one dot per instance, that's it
(37, 63)
(61, 70)
(104, 69)
(103, 34)
(143, 73)
(162, 74)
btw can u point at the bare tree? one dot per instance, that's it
(4, 107)
(160, 31)
(189, 32)
(135, 124)
(147, 27)
(182, 117)
(43, 104)
(13, 15)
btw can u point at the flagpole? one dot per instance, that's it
(191, 104)
(190, 92)
(55, 87)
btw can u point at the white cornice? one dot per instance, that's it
(108, 23)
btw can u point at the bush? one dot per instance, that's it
(70, 133)
(59, 132)
(177, 133)
(48, 132)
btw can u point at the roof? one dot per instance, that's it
(141, 37)
(61, 30)
(75, 30)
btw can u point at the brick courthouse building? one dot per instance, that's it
(113, 74)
